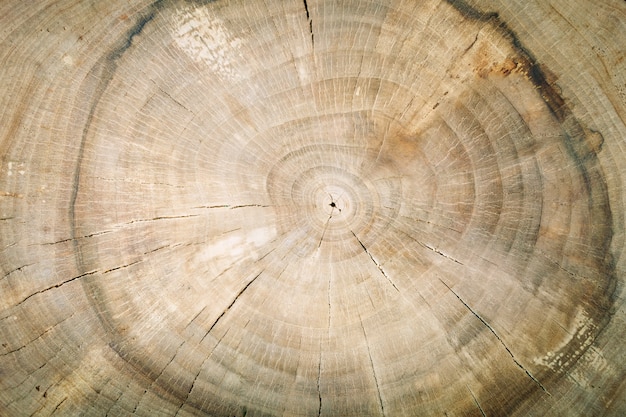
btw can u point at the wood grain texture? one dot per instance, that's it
(312, 208)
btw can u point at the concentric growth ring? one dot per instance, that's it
(382, 208)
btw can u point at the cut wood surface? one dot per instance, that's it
(312, 208)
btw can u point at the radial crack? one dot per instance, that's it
(167, 364)
(231, 304)
(497, 337)
(19, 268)
(471, 44)
(308, 18)
(168, 95)
(328, 295)
(248, 205)
(195, 317)
(38, 337)
(121, 266)
(437, 251)
(103, 232)
(56, 286)
(58, 405)
(195, 379)
(427, 246)
(229, 206)
(161, 218)
(326, 224)
(319, 377)
(212, 207)
(380, 268)
(558, 265)
(476, 401)
(380, 398)
(164, 247)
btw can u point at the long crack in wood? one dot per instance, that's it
(39, 337)
(195, 317)
(326, 225)
(231, 304)
(231, 206)
(380, 268)
(166, 365)
(195, 379)
(380, 398)
(535, 380)
(438, 252)
(319, 377)
(161, 218)
(122, 266)
(310, 20)
(67, 281)
(58, 406)
(431, 248)
(19, 268)
(103, 232)
(476, 402)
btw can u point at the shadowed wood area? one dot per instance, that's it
(312, 208)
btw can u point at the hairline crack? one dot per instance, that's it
(491, 329)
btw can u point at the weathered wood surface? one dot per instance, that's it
(312, 208)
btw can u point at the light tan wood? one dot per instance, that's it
(312, 208)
